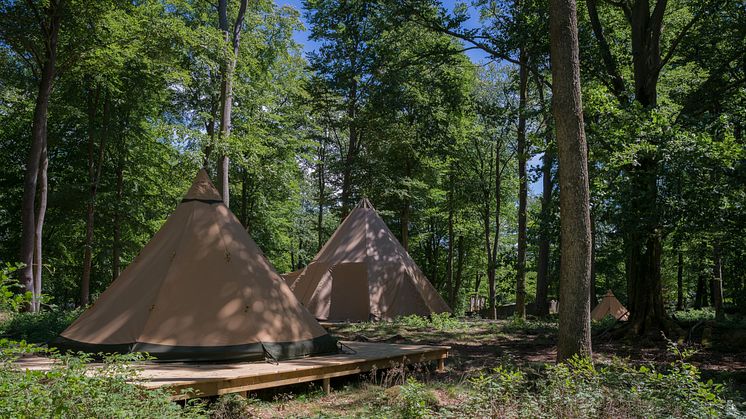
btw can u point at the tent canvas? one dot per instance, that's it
(610, 306)
(200, 290)
(363, 273)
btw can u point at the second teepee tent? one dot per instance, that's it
(363, 273)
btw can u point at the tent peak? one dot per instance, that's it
(365, 203)
(202, 189)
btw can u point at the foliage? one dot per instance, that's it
(415, 400)
(579, 389)
(12, 295)
(438, 321)
(38, 328)
(75, 388)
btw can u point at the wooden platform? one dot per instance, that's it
(216, 379)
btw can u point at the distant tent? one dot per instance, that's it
(610, 306)
(200, 290)
(363, 273)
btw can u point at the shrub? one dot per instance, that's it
(72, 388)
(37, 327)
(415, 400)
(577, 389)
(13, 295)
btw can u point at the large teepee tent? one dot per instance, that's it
(610, 306)
(363, 273)
(200, 290)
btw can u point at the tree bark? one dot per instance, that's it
(717, 283)
(321, 177)
(117, 240)
(522, 152)
(542, 274)
(405, 225)
(41, 211)
(680, 281)
(458, 282)
(352, 148)
(449, 259)
(49, 25)
(592, 288)
(226, 89)
(575, 269)
(95, 166)
(542, 271)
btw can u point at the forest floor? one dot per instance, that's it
(479, 346)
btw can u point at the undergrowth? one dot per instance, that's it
(73, 388)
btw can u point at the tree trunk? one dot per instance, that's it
(244, 196)
(592, 288)
(542, 271)
(449, 259)
(51, 23)
(352, 147)
(458, 281)
(717, 283)
(522, 152)
(680, 281)
(117, 241)
(226, 90)
(404, 220)
(42, 209)
(321, 172)
(95, 165)
(700, 298)
(575, 264)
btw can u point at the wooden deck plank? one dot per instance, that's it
(217, 379)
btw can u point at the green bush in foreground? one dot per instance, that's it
(577, 389)
(74, 389)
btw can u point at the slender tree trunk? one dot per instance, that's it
(680, 281)
(42, 209)
(226, 90)
(449, 259)
(117, 241)
(458, 281)
(575, 269)
(321, 177)
(352, 147)
(700, 298)
(244, 196)
(717, 283)
(522, 152)
(405, 225)
(592, 288)
(542, 274)
(492, 272)
(95, 164)
(50, 25)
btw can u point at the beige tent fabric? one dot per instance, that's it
(363, 273)
(201, 285)
(610, 306)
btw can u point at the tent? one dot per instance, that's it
(610, 306)
(200, 290)
(363, 273)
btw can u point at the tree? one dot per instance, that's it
(40, 51)
(567, 108)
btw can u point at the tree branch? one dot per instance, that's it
(617, 82)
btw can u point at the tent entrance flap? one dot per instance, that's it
(350, 299)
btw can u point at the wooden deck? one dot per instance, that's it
(216, 379)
